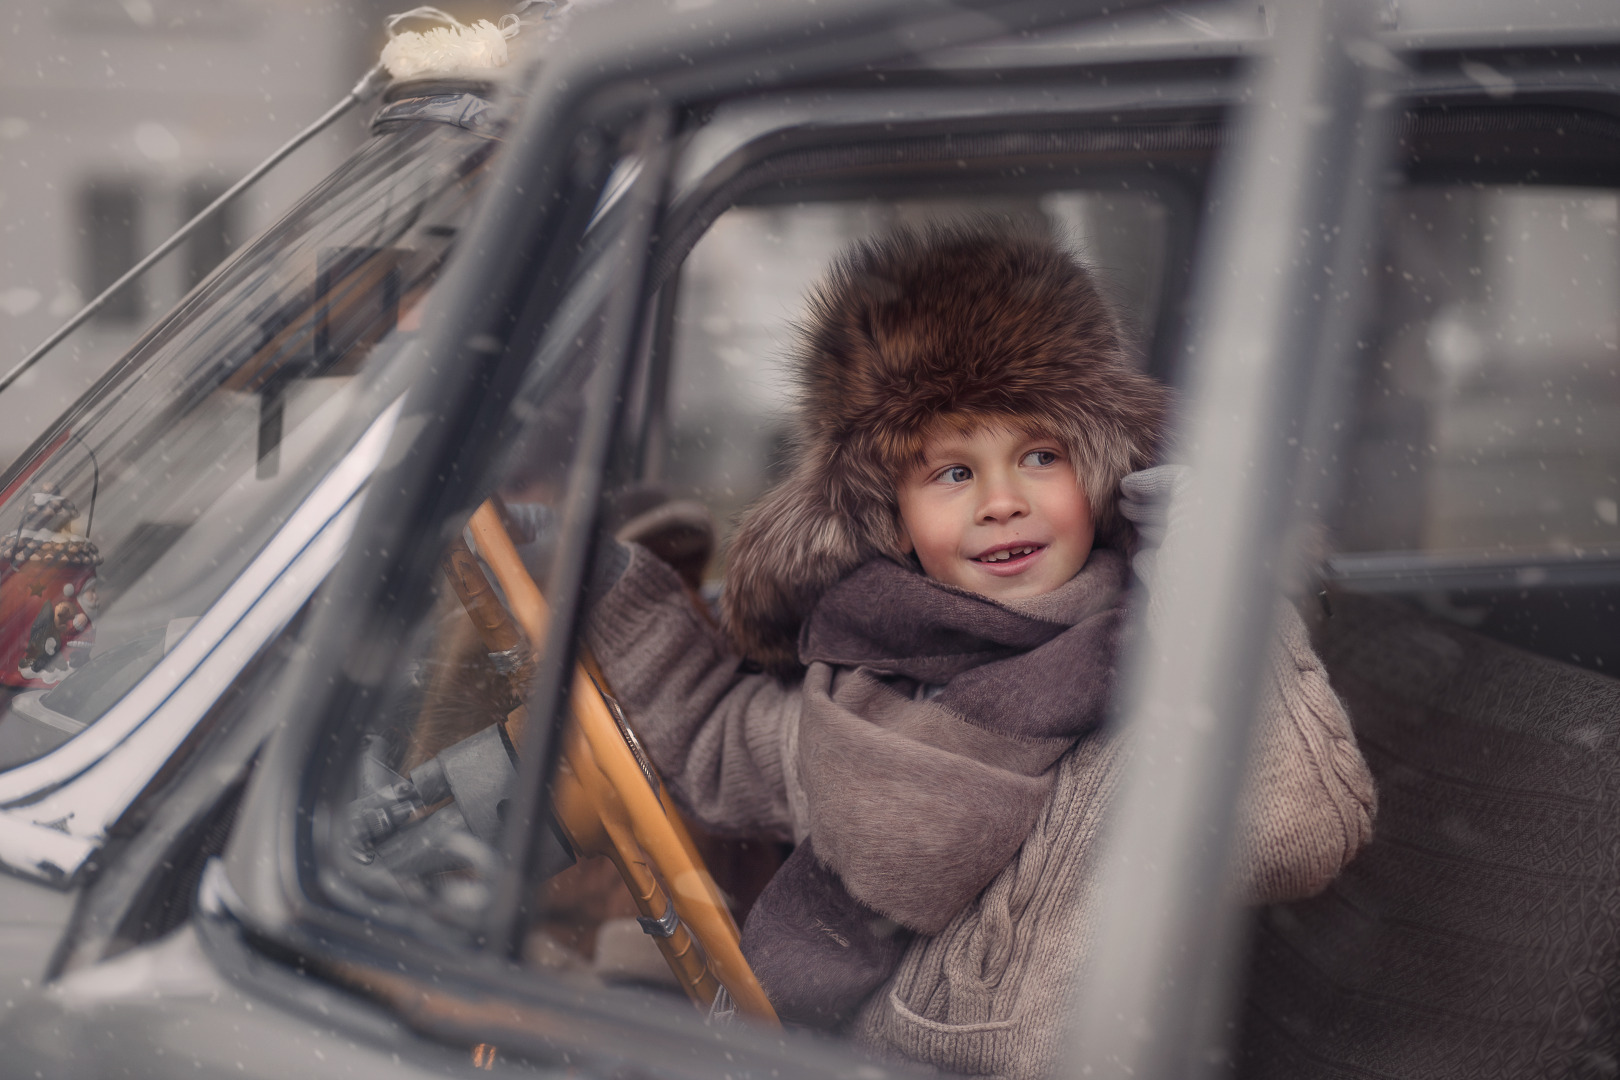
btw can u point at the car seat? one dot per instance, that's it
(1478, 934)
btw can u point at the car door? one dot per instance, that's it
(561, 428)
(537, 427)
(540, 381)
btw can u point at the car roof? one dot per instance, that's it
(1016, 35)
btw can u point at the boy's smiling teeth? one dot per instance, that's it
(1008, 553)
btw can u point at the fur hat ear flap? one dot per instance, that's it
(790, 548)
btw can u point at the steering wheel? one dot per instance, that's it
(609, 800)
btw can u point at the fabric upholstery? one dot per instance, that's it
(1478, 934)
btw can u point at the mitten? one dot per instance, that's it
(1156, 501)
(534, 530)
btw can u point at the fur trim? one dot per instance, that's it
(451, 49)
(962, 324)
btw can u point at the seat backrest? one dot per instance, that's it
(1478, 934)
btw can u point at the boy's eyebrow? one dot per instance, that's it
(941, 447)
(930, 454)
(929, 459)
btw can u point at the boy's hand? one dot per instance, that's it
(679, 532)
(534, 530)
(1155, 501)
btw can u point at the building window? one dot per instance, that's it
(110, 214)
(216, 238)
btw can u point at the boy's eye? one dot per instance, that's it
(1040, 457)
(957, 474)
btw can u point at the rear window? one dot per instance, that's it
(1483, 470)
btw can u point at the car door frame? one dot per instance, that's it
(488, 314)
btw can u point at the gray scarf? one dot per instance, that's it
(932, 718)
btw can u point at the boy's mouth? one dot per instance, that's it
(1008, 556)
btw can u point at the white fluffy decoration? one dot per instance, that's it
(454, 47)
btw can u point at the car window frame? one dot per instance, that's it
(279, 908)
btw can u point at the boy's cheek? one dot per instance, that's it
(902, 535)
(924, 524)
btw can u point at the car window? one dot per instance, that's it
(137, 513)
(412, 822)
(1468, 624)
(636, 889)
(1483, 468)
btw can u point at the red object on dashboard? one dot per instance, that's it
(47, 593)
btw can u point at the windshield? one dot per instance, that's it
(146, 501)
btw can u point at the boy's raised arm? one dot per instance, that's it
(1310, 799)
(718, 735)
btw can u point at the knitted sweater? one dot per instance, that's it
(987, 995)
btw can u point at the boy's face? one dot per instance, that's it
(997, 512)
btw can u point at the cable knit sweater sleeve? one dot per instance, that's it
(1310, 802)
(989, 996)
(720, 737)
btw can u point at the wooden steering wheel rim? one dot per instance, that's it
(610, 801)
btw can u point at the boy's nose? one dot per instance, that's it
(1002, 502)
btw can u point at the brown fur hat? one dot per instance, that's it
(963, 325)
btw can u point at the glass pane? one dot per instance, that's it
(1484, 459)
(1490, 415)
(170, 478)
(1470, 628)
(411, 826)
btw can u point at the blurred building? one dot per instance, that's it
(121, 118)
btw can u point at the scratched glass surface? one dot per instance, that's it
(154, 493)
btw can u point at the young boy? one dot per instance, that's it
(935, 594)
